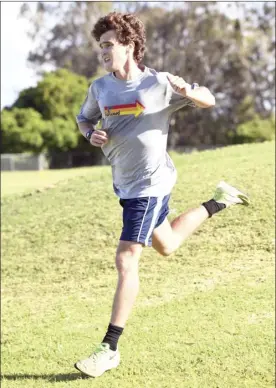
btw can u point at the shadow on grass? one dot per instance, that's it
(51, 377)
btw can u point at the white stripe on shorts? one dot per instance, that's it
(154, 218)
(141, 227)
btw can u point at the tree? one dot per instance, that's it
(43, 117)
(60, 94)
(68, 42)
(255, 130)
(23, 131)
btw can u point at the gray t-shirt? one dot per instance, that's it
(135, 115)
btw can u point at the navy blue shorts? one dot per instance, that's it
(141, 216)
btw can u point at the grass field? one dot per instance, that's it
(204, 317)
(17, 182)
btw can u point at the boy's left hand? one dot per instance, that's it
(178, 84)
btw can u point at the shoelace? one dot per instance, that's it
(99, 352)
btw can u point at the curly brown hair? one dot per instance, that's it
(128, 29)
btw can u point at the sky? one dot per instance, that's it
(15, 45)
(16, 74)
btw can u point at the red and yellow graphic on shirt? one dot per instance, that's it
(122, 110)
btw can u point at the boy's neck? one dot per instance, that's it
(129, 72)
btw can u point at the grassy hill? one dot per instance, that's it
(204, 316)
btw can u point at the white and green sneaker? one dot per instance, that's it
(229, 195)
(100, 361)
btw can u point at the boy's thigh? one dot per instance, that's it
(163, 238)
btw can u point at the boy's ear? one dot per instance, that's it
(131, 46)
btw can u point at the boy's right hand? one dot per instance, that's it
(98, 138)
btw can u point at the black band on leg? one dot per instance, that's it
(213, 207)
(112, 336)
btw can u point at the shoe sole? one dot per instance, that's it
(84, 373)
(231, 190)
(244, 198)
(89, 375)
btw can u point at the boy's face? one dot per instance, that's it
(114, 54)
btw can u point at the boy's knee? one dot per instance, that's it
(167, 250)
(127, 260)
(126, 264)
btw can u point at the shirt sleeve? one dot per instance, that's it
(90, 111)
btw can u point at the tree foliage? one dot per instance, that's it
(66, 43)
(58, 94)
(255, 130)
(47, 113)
(23, 130)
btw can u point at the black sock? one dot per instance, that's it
(112, 336)
(213, 207)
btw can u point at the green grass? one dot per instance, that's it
(17, 182)
(204, 316)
